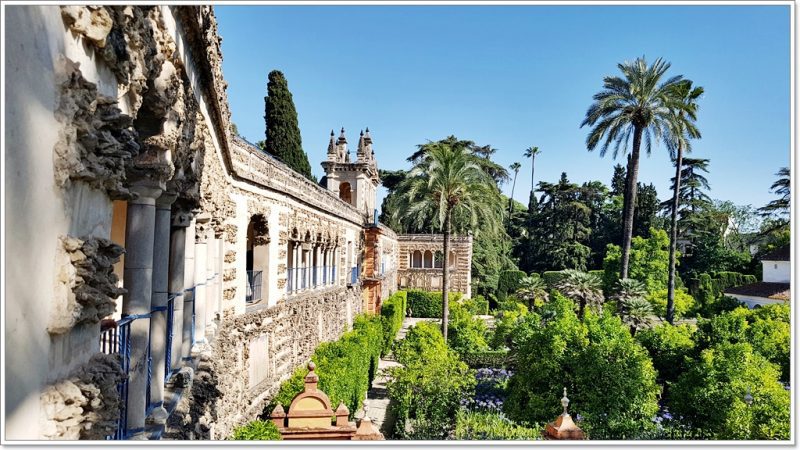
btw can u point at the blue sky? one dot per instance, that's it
(515, 77)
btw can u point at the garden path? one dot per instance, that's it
(378, 397)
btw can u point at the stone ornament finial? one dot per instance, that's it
(563, 427)
(565, 401)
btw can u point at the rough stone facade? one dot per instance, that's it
(420, 258)
(222, 396)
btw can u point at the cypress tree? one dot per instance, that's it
(283, 133)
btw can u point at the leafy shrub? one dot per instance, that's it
(508, 282)
(477, 425)
(684, 303)
(393, 311)
(766, 329)
(257, 430)
(428, 304)
(609, 376)
(477, 305)
(465, 333)
(345, 367)
(670, 347)
(427, 388)
(506, 319)
(710, 395)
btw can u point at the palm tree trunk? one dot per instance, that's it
(533, 159)
(511, 199)
(446, 275)
(627, 228)
(673, 238)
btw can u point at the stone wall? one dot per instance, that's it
(221, 396)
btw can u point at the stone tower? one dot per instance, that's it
(355, 182)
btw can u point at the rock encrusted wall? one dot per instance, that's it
(86, 286)
(84, 405)
(220, 397)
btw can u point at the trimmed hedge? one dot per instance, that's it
(428, 304)
(552, 277)
(393, 311)
(508, 283)
(345, 367)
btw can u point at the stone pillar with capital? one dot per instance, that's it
(201, 276)
(177, 260)
(160, 297)
(189, 306)
(136, 302)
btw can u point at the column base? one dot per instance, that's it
(159, 415)
(140, 436)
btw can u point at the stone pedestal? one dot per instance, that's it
(138, 273)
(158, 318)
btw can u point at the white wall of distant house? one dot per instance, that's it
(777, 271)
(752, 302)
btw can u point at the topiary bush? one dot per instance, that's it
(345, 367)
(257, 430)
(508, 283)
(393, 311)
(428, 304)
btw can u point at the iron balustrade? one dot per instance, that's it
(253, 286)
(325, 275)
(333, 275)
(302, 278)
(290, 280)
(354, 275)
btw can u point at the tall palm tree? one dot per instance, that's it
(531, 153)
(448, 189)
(583, 288)
(515, 167)
(532, 289)
(637, 105)
(782, 187)
(683, 131)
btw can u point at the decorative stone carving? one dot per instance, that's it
(230, 256)
(228, 274)
(231, 231)
(86, 287)
(96, 143)
(93, 22)
(86, 404)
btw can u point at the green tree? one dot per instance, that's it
(778, 209)
(618, 180)
(711, 395)
(585, 289)
(448, 187)
(648, 264)
(671, 347)
(640, 105)
(608, 375)
(283, 133)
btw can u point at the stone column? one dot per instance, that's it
(177, 260)
(211, 288)
(201, 277)
(158, 319)
(189, 307)
(138, 276)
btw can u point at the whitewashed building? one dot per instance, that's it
(775, 285)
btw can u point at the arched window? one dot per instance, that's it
(452, 260)
(345, 193)
(438, 259)
(428, 263)
(257, 258)
(417, 259)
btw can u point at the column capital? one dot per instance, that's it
(166, 199)
(181, 218)
(146, 191)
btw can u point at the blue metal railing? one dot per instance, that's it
(333, 276)
(324, 275)
(302, 278)
(170, 333)
(253, 286)
(353, 275)
(116, 339)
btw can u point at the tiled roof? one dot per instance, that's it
(775, 291)
(779, 254)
